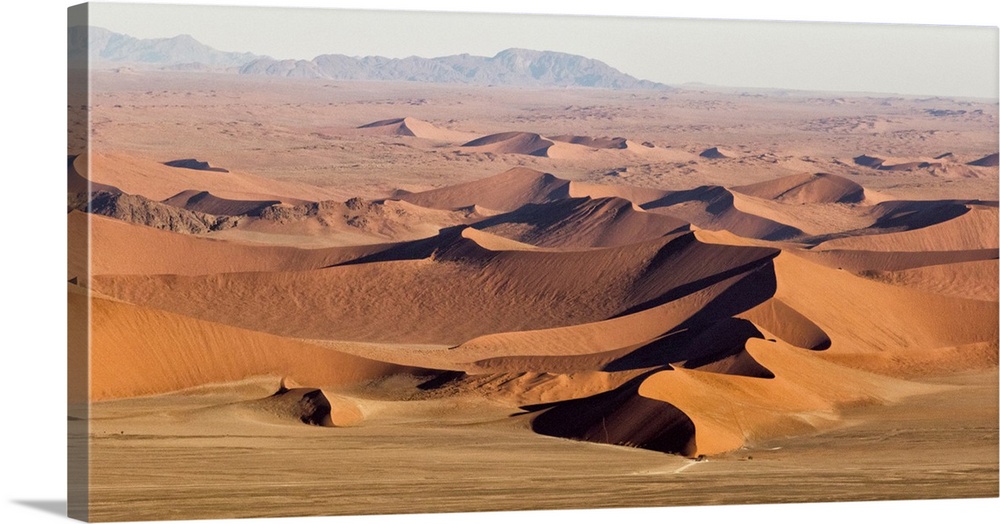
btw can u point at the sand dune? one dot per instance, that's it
(987, 161)
(858, 261)
(638, 340)
(886, 324)
(581, 223)
(943, 164)
(142, 351)
(355, 222)
(636, 195)
(151, 179)
(714, 207)
(975, 280)
(621, 417)
(728, 411)
(389, 301)
(593, 142)
(512, 142)
(205, 202)
(195, 164)
(76, 183)
(120, 248)
(408, 126)
(975, 228)
(506, 191)
(818, 188)
(717, 153)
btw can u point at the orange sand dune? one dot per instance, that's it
(992, 160)
(976, 228)
(714, 208)
(512, 142)
(902, 164)
(729, 411)
(818, 188)
(205, 202)
(355, 222)
(151, 179)
(516, 187)
(593, 142)
(408, 126)
(975, 280)
(141, 351)
(76, 183)
(885, 323)
(636, 195)
(693, 412)
(620, 416)
(121, 248)
(463, 290)
(634, 341)
(581, 223)
(861, 261)
(717, 152)
(506, 191)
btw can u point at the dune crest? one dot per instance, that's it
(818, 188)
(408, 126)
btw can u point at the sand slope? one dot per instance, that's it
(205, 202)
(714, 207)
(151, 179)
(506, 191)
(975, 228)
(121, 248)
(807, 188)
(581, 223)
(392, 301)
(408, 126)
(142, 351)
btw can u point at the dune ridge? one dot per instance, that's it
(807, 188)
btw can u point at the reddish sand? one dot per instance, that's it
(458, 283)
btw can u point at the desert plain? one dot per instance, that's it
(320, 297)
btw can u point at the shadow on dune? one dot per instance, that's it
(696, 348)
(758, 286)
(621, 417)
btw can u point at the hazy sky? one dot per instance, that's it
(889, 58)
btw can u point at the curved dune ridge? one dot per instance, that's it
(991, 160)
(195, 164)
(142, 351)
(77, 183)
(512, 142)
(942, 164)
(205, 202)
(975, 228)
(581, 223)
(153, 180)
(717, 153)
(408, 126)
(506, 191)
(388, 301)
(818, 188)
(111, 240)
(593, 142)
(715, 207)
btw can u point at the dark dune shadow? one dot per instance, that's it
(620, 416)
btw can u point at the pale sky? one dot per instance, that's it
(828, 56)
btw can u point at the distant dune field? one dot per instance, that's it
(447, 282)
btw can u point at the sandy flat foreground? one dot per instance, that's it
(469, 456)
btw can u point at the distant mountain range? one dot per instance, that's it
(511, 67)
